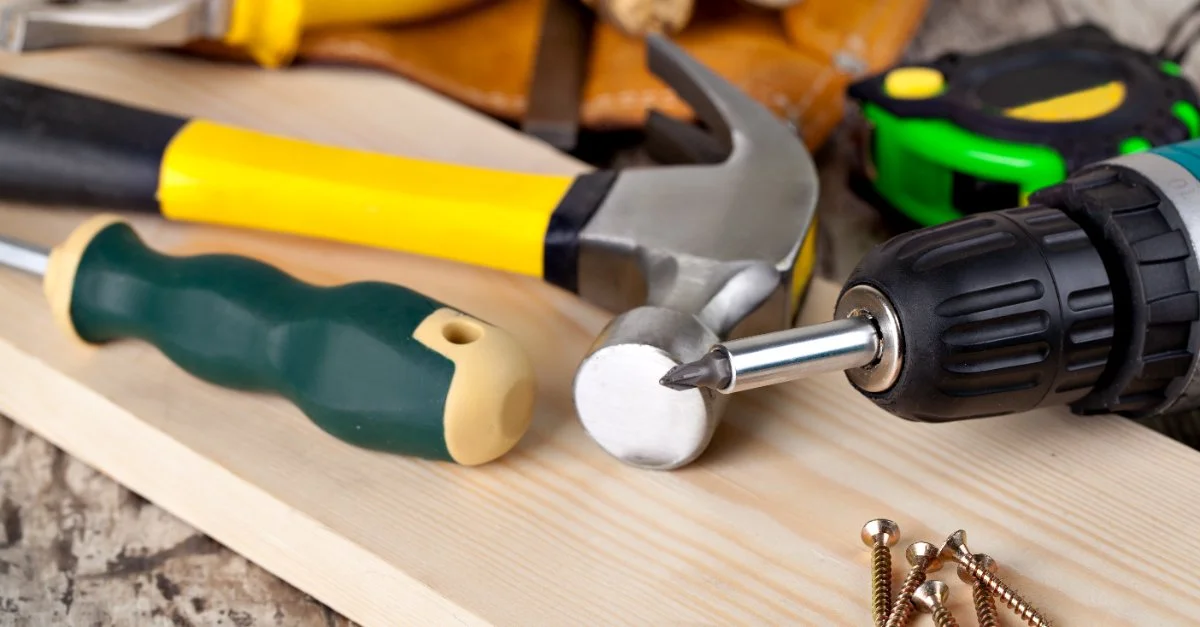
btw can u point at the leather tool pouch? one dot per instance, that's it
(797, 60)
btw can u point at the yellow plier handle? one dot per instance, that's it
(270, 30)
(64, 148)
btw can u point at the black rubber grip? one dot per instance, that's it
(560, 255)
(1145, 245)
(1000, 313)
(63, 148)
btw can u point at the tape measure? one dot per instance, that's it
(970, 133)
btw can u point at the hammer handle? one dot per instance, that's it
(64, 148)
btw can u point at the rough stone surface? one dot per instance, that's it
(77, 549)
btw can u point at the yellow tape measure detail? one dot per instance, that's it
(913, 83)
(1085, 104)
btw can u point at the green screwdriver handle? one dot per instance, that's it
(375, 364)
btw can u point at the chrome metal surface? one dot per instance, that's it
(621, 404)
(39, 25)
(706, 251)
(801, 352)
(23, 256)
(880, 375)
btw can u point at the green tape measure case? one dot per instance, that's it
(964, 134)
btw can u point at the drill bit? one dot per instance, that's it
(767, 359)
(25, 257)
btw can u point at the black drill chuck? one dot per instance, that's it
(1087, 297)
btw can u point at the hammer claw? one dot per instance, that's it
(704, 250)
(723, 108)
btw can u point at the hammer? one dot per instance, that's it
(692, 253)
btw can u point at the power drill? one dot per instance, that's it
(1088, 297)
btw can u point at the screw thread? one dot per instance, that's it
(985, 606)
(902, 607)
(943, 618)
(881, 582)
(1028, 614)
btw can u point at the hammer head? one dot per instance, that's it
(693, 254)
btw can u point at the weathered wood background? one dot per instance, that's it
(78, 549)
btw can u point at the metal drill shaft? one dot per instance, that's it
(23, 256)
(781, 356)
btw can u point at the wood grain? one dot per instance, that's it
(1085, 515)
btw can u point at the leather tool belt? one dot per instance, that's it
(797, 60)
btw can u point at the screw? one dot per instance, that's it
(985, 604)
(923, 558)
(881, 534)
(931, 597)
(956, 549)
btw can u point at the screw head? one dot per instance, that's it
(955, 548)
(983, 560)
(880, 530)
(924, 551)
(930, 595)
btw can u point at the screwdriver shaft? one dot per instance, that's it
(23, 256)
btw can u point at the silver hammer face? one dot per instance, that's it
(693, 254)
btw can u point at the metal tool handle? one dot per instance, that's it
(374, 364)
(64, 148)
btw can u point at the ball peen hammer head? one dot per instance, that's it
(693, 254)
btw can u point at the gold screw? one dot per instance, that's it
(881, 534)
(931, 597)
(923, 558)
(956, 549)
(985, 603)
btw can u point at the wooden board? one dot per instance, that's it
(1086, 515)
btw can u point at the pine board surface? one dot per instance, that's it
(1088, 516)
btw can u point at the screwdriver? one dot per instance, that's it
(373, 364)
(1086, 297)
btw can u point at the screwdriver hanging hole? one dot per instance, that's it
(461, 332)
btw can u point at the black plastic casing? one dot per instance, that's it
(1087, 297)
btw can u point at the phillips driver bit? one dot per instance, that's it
(855, 341)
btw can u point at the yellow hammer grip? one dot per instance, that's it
(217, 174)
(270, 29)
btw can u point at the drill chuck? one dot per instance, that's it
(1087, 297)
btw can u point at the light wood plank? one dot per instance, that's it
(763, 530)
